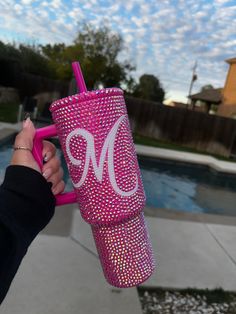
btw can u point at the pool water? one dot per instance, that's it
(188, 187)
(5, 155)
(172, 185)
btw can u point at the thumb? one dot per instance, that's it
(26, 136)
(23, 145)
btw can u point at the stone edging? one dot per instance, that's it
(218, 165)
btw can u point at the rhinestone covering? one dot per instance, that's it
(125, 252)
(95, 136)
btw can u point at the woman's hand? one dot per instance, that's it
(22, 156)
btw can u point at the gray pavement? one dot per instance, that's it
(188, 254)
(193, 255)
(61, 272)
(15, 126)
(58, 275)
(7, 131)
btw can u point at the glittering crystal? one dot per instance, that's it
(117, 221)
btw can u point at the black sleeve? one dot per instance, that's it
(26, 206)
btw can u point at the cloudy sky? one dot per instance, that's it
(162, 37)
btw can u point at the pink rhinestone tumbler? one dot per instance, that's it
(94, 134)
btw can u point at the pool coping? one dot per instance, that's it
(8, 131)
(218, 165)
(188, 255)
(205, 218)
(199, 159)
(6, 135)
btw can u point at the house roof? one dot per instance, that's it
(212, 95)
(230, 61)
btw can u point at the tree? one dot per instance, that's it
(32, 61)
(205, 87)
(149, 88)
(208, 106)
(9, 52)
(28, 59)
(15, 60)
(101, 50)
(60, 57)
(97, 51)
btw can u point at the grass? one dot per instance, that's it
(8, 112)
(142, 140)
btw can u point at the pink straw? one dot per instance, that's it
(79, 77)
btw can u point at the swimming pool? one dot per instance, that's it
(173, 185)
(5, 155)
(188, 187)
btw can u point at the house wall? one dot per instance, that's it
(229, 91)
(228, 107)
(227, 111)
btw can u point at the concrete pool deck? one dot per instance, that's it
(7, 130)
(61, 272)
(219, 165)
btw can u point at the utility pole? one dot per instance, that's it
(194, 78)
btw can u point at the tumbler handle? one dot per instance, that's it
(40, 135)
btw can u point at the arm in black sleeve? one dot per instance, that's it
(26, 206)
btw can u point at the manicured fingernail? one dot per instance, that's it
(45, 158)
(47, 173)
(27, 115)
(26, 123)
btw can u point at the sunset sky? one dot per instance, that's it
(163, 37)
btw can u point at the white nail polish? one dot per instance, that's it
(46, 174)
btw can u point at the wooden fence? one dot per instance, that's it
(201, 131)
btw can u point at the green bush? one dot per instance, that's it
(8, 112)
